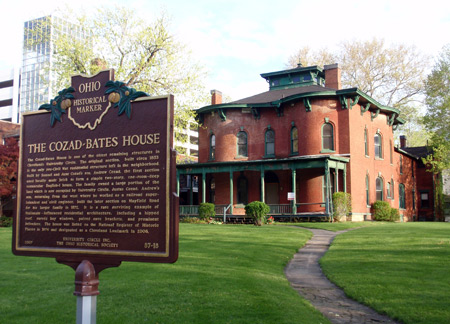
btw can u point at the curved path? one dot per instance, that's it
(306, 276)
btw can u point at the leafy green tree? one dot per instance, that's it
(437, 118)
(393, 75)
(144, 54)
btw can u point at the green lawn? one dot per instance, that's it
(234, 274)
(399, 269)
(225, 274)
(335, 227)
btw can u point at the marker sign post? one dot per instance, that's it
(97, 180)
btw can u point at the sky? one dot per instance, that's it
(236, 41)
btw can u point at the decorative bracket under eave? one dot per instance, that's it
(279, 110)
(255, 112)
(222, 114)
(200, 119)
(364, 109)
(307, 104)
(391, 119)
(374, 115)
(344, 101)
(353, 102)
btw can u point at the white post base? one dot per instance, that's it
(86, 309)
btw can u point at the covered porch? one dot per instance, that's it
(296, 187)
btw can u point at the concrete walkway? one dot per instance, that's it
(305, 276)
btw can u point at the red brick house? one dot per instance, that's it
(296, 144)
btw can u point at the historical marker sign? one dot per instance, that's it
(97, 177)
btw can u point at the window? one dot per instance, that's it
(242, 144)
(392, 188)
(270, 143)
(379, 188)
(401, 164)
(401, 196)
(242, 190)
(367, 191)
(327, 137)
(378, 147)
(212, 147)
(424, 199)
(294, 140)
(366, 143)
(388, 190)
(391, 160)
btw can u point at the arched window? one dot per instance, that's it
(392, 188)
(270, 143)
(366, 143)
(377, 142)
(294, 140)
(391, 158)
(379, 188)
(212, 147)
(327, 137)
(242, 144)
(401, 196)
(367, 190)
(242, 190)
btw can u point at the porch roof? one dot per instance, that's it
(291, 163)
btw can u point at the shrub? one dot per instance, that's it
(206, 211)
(257, 210)
(342, 205)
(382, 211)
(395, 215)
(6, 221)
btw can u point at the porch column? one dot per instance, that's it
(178, 184)
(327, 188)
(231, 191)
(263, 186)
(294, 187)
(336, 179)
(203, 187)
(345, 177)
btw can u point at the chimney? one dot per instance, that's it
(332, 76)
(402, 141)
(216, 97)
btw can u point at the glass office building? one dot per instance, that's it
(38, 55)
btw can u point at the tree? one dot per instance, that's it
(437, 118)
(144, 55)
(9, 155)
(392, 75)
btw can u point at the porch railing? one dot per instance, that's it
(284, 209)
(219, 210)
(281, 209)
(192, 210)
(189, 210)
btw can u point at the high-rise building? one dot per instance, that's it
(38, 57)
(9, 95)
